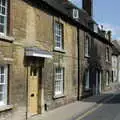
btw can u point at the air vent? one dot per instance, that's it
(75, 13)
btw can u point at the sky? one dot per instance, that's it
(106, 13)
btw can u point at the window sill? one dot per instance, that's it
(58, 96)
(6, 107)
(87, 56)
(107, 61)
(7, 38)
(59, 50)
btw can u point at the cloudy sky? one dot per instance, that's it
(106, 13)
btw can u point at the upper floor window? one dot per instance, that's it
(87, 46)
(58, 34)
(107, 54)
(3, 16)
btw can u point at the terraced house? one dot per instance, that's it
(51, 54)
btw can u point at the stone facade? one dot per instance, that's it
(96, 61)
(32, 26)
(27, 18)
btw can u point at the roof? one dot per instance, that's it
(67, 7)
(84, 21)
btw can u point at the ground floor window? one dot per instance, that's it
(87, 82)
(3, 84)
(107, 78)
(59, 81)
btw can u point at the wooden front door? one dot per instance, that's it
(33, 77)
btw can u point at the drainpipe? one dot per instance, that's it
(78, 48)
(27, 92)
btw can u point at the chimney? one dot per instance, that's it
(109, 35)
(87, 5)
(65, 1)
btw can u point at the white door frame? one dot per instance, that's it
(100, 81)
(96, 87)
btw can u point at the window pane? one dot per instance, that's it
(2, 70)
(58, 70)
(2, 79)
(3, 2)
(2, 28)
(59, 77)
(34, 71)
(0, 9)
(58, 45)
(2, 19)
(1, 97)
(31, 71)
(1, 88)
(3, 10)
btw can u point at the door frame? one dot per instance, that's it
(97, 82)
(100, 81)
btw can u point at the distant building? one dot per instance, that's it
(116, 61)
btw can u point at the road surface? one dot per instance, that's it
(106, 111)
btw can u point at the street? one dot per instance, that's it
(107, 111)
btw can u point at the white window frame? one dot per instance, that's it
(58, 34)
(3, 85)
(59, 81)
(4, 24)
(75, 13)
(87, 79)
(87, 46)
(107, 78)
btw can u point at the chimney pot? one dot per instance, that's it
(88, 6)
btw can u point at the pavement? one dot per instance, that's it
(78, 108)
